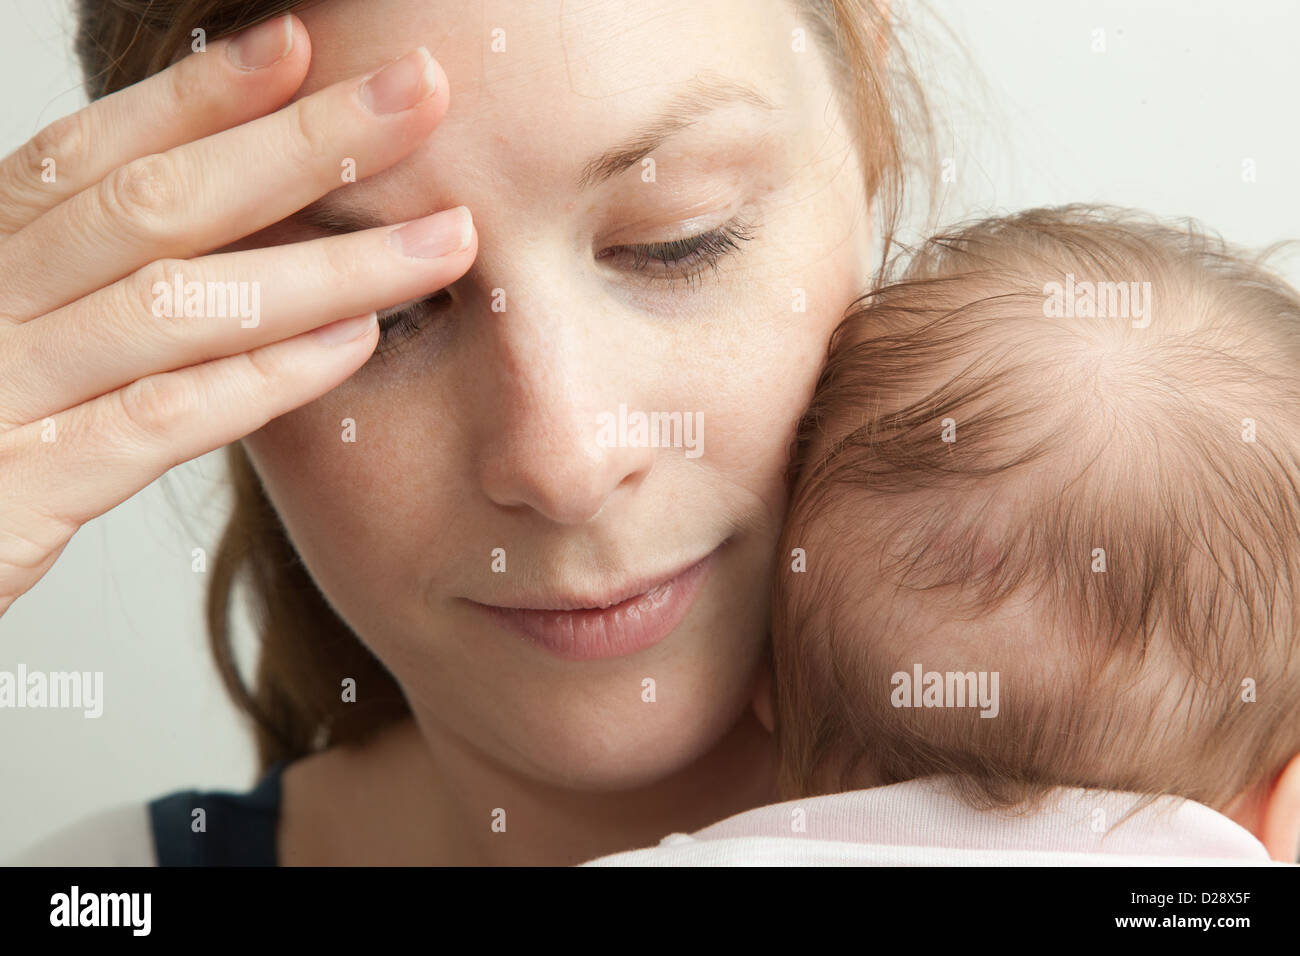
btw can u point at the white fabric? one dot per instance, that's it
(924, 823)
(918, 823)
(118, 836)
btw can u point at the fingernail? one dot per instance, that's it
(438, 235)
(262, 45)
(401, 84)
(345, 330)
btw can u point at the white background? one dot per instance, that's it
(1162, 119)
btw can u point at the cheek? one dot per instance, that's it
(351, 476)
(764, 364)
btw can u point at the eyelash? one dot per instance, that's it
(396, 328)
(699, 252)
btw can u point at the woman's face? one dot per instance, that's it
(488, 428)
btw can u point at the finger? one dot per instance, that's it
(195, 97)
(204, 195)
(139, 326)
(86, 460)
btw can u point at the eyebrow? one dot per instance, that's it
(704, 93)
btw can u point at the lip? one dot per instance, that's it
(587, 629)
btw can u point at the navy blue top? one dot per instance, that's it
(239, 827)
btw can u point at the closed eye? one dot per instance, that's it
(679, 259)
(400, 322)
(685, 258)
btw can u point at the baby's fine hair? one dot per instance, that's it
(1062, 447)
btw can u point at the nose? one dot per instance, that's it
(544, 449)
(546, 459)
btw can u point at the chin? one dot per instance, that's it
(585, 726)
(610, 739)
(632, 748)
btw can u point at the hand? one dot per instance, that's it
(105, 384)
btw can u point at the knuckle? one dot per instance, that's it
(23, 181)
(148, 289)
(32, 532)
(150, 406)
(263, 367)
(186, 81)
(60, 141)
(139, 196)
(312, 128)
(340, 262)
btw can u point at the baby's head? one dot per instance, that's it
(1053, 472)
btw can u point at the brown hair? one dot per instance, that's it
(1066, 434)
(294, 701)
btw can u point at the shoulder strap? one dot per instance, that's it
(239, 828)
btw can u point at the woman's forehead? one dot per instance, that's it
(560, 59)
(550, 98)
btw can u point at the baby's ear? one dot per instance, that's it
(1279, 828)
(1271, 811)
(763, 707)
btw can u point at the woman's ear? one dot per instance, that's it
(1279, 816)
(763, 708)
